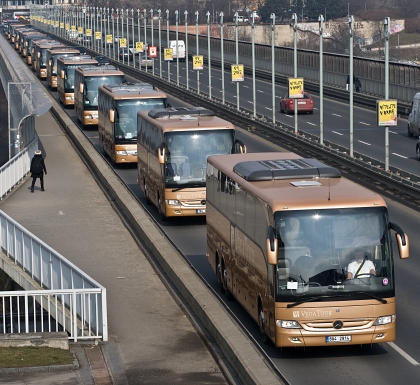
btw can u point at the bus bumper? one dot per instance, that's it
(183, 211)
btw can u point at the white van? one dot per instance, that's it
(181, 49)
(414, 117)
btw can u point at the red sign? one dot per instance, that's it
(152, 51)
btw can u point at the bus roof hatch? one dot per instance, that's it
(179, 111)
(284, 169)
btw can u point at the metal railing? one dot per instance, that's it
(13, 172)
(66, 295)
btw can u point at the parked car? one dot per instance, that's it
(305, 104)
(125, 54)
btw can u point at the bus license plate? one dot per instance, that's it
(338, 339)
(202, 211)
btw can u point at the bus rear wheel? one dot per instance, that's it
(145, 193)
(228, 294)
(219, 277)
(261, 324)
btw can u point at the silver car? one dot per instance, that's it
(144, 60)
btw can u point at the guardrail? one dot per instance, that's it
(13, 172)
(65, 293)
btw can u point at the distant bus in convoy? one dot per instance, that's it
(66, 67)
(172, 149)
(118, 105)
(21, 15)
(282, 232)
(52, 55)
(86, 84)
(30, 46)
(39, 63)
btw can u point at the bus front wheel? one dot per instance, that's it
(161, 212)
(261, 324)
(228, 294)
(145, 193)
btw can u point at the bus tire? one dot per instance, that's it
(219, 275)
(145, 193)
(228, 294)
(261, 324)
(161, 213)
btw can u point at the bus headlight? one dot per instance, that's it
(288, 324)
(386, 319)
(173, 202)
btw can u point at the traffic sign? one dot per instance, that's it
(198, 62)
(237, 72)
(168, 54)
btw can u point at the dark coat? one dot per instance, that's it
(34, 159)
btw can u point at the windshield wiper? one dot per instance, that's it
(312, 299)
(187, 185)
(372, 296)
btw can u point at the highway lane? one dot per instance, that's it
(380, 363)
(368, 138)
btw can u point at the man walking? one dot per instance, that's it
(38, 169)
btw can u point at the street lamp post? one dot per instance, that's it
(351, 32)
(321, 80)
(387, 26)
(294, 19)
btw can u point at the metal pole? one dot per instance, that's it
(237, 57)
(113, 33)
(176, 48)
(145, 34)
(186, 51)
(351, 31)
(118, 43)
(167, 39)
(387, 26)
(132, 36)
(122, 32)
(128, 41)
(273, 69)
(321, 80)
(152, 38)
(222, 57)
(254, 91)
(160, 45)
(108, 49)
(208, 50)
(196, 39)
(294, 18)
(138, 30)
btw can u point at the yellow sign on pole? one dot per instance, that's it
(198, 62)
(168, 54)
(98, 35)
(139, 46)
(73, 28)
(61, 25)
(237, 72)
(80, 30)
(386, 112)
(123, 42)
(88, 32)
(67, 26)
(295, 88)
(108, 39)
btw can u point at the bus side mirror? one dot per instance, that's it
(62, 74)
(38, 55)
(241, 146)
(161, 154)
(51, 63)
(272, 246)
(81, 88)
(402, 240)
(111, 115)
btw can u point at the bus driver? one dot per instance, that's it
(360, 266)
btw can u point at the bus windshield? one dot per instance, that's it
(334, 254)
(92, 84)
(69, 78)
(187, 152)
(126, 116)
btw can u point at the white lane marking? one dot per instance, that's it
(337, 115)
(312, 124)
(361, 141)
(250, 101)
(278, 97)
(393, 132)
(338, 133)
(401, 156)
(410, 359)
(260, 91)
(246, 87)
(268, 108)
(366, 124)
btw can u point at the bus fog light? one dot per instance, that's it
(387, 319)
(288, 324)
(173, 202)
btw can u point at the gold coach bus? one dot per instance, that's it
(282, 236)
(118, 105)
(52, 55)
(39, 59)
(172, 148)
(86, 84)
(66, 67)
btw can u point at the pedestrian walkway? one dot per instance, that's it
(151, 339)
